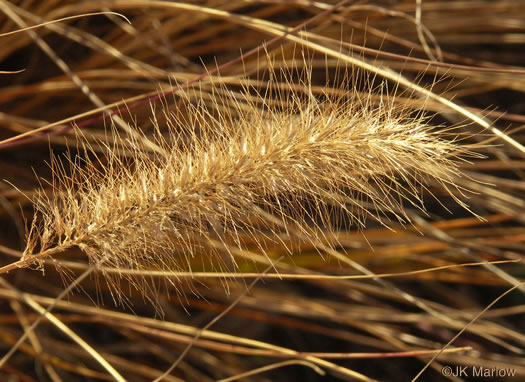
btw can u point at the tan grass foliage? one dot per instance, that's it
(345, 157)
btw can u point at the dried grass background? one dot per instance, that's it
(312, 167)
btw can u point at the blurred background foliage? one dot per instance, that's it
(471, 52)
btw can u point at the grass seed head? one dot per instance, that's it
(244, 169)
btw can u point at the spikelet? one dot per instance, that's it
(236, 166)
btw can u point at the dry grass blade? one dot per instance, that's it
(367, 155)
(33, 304)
